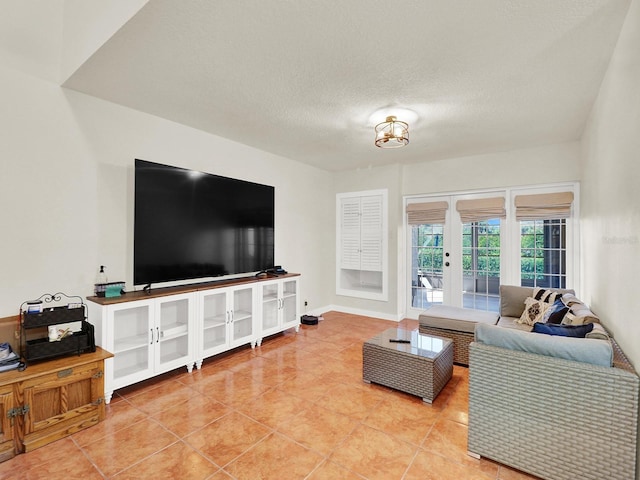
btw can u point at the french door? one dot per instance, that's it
(454, 258)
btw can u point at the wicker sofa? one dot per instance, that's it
(553, 417)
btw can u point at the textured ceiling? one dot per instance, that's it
(305, 78)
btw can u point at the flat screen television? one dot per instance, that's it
(194, 225)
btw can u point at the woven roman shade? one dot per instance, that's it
(480, 209)
(544, 206)
(428, 212)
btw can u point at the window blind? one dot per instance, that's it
(544, 206)
(428, 212)
(479, 209)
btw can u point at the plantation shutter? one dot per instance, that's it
(544, 206)
(480, 209)
(429, 212)
(350, 233)
(361, 233)
(371, 233)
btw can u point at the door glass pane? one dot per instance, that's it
(426, 265)
(543, 253)
(481, 265)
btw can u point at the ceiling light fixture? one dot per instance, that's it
(392, 133)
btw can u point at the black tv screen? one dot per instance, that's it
(190, 225)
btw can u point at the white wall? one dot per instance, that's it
(529, 166)
(610, 201)
(611, 194)
(66, 187)
(546, 164)
(387, 177)
(31, 36)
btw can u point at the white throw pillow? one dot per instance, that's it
(533, 311)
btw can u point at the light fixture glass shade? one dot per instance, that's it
(392, 133)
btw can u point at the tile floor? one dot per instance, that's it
(294, 408)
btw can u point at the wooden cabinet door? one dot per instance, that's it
(61, 403)
(6, 423)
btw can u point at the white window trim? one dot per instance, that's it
(572, 231)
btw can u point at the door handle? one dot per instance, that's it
(446, 264)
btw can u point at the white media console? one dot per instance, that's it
(167, 328)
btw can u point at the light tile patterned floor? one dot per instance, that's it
(294, 408)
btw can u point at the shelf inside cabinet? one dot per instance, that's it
(216, 321)
(174, 332)
(170, 357)
(131, 343)
(239, 315)
(128, 369)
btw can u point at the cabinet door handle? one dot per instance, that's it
(151, 330)
(157, 334)
(231, 316)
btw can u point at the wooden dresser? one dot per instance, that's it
(50, 400)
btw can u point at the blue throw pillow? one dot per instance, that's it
(579, 331)
(555, 313)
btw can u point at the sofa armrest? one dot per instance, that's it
(547, 416)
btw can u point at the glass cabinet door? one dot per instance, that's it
(270, 307)
(215, 318)
(242, 314)
(289, 302)
(133, 337)
(172, 332)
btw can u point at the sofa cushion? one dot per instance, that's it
(456, 318)
(513, 322)
(512, 298)
(577, 331)
(586, 350)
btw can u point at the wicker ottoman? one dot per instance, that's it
(455, 323)
(422, 367)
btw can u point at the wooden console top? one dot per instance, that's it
(196, 287)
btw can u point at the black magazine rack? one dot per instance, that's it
(36, 316)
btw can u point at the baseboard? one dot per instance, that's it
(357, 311)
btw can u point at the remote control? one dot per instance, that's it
(399, 340)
